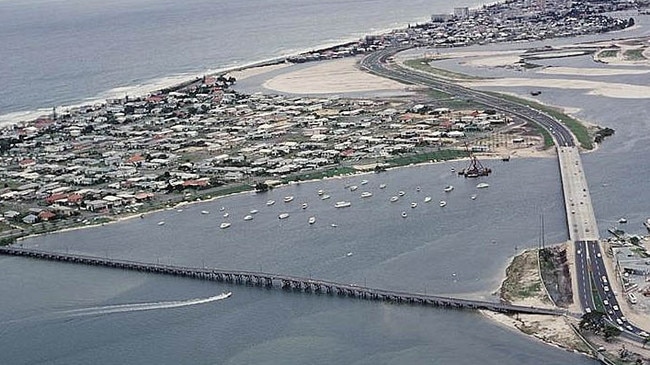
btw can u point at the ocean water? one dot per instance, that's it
(66, 314)
(69, 52)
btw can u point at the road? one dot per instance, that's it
(594, 291)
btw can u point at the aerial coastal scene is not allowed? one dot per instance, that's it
(348, 115)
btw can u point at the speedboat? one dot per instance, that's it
(342, 204)
(393, 199)
(404, 215)
(226, 295)
(283, 216)
(449, 188)
(414, 205)
(473, 197)
(248, 218)
(353, 188)
(161, 223)
(334, 225)
(312, 220)
(270, 202)
(224, 225)
(364, 182)
(325, 197)
(304, 205)
(482, 185)
(443, 203)
(254, 211)
(321, 192)
(288, 198)
(366, 194)
(427, 199)
(205, 212)
(401, 193)
(382, 186)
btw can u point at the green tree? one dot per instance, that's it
(610, 332)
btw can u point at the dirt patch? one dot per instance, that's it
(556, 275)
(523, 282)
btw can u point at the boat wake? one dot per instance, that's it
(137, 307)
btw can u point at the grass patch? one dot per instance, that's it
(343, 170)
(574, 125)
(422, 64)
(232, 190)
(634, 55)
(608, 53)
(441, 155)
(437, 94)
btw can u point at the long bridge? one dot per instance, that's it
(285, 282)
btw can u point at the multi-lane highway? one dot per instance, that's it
(594, 289)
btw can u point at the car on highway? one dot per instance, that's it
(606, 302)
(643, 334)
(615, 307)
(606, 288)
(598, 255)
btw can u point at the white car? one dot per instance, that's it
(615, 307)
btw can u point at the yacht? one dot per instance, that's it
(364, 182)
(321, 192)
(161, 223)
(254, 211)
(414, 205)
(224, 225)
(449, 188)
(288, 198)
(353, 188)
(304, 205)
(205, 212)
(342, 204)
(270, 202)
(283, 216)
(401, 193)
(366, 194)
(482, 185)
(443, 203)
(427, 199)
(382, 186)
(393, 199)
(312, 220)
(248, 218)
(404, 215)
(325, 197)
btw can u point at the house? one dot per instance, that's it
(46, 215)
(30, 219)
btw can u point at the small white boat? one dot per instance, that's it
(364, 182)
(443, 203)
(449, 188)
(473, 197)
(179, 210)
(270, 202)
(366, 194)
(427, 199)
(321, 192)
(226, 295)
(348, 254)
(161, 223)
(393, 199)
(222, 209)
(325, 197)
(342, 204)
(353, 188)
(205, 212)
(382, 186)
(248, 218)
(334, 225)
(401, 193)
(482, 185)
(312, 220)
(622, 220)
(304, 205)
(226, 214)
(288, 198)
(404, 215)
(414, 205)
(418, 189)
(224, 225)
(254, 211)
(283, 216)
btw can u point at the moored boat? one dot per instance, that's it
(224, 225)
(404, 215)
(393, 199)
(449, 188)
(312, 220)
(414, 205)
(443, 203)
(342, 204)
(270, 202)
(427, 199)
(161, 223)
(288, 198)
(473, 197)
(482, 185)
(366, 194)
(321, 192)
(382, 186)
(304, 205)
(283, 216)
(353, 188)
(248, 218)
(364, 182)
(205, 212)
(254, 211)
(401, 193)
(325, 197)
